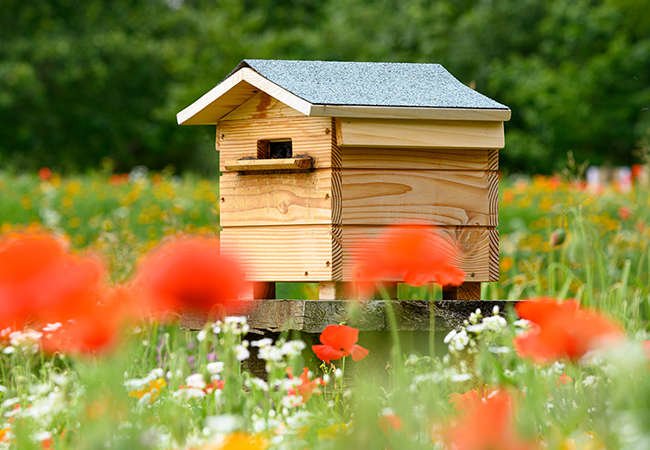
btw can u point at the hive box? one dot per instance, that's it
(316, 156)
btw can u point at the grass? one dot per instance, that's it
(556, 240)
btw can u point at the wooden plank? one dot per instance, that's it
(474, 243)
(261, 290)
(312, 316)
(261, 106)
(410, 112)
(297, 198)
(466, 291)
(257, 165)
(419, 133)
(375, 197)
(416, 158)
(310, 136)
(283, 252)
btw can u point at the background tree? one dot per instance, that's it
(84, 82)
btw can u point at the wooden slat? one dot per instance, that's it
(296, 198)
(410, 112)
(310, 136)
(474, 243)
(414, 158)
(376, 197)
(257, 165)
(262, 106)
(282, 253)
(419, 133)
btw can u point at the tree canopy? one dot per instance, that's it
(80, 82)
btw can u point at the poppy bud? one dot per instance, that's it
(558, 236)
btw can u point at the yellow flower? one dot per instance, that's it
(153, 388)
(238, 441)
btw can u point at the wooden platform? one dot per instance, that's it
(311, 316)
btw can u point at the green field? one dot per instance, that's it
(160, 388)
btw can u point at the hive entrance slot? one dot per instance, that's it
(274, 149)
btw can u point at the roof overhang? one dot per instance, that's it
(245, 82)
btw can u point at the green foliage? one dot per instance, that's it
(78, 84)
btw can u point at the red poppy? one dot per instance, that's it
(416, 255)
(44, 173)
(646, 347)
(564, 379)
(306, 387)
(562, 330)
(189, 274)
(339, 341)
(41, 282)
(486, 422)
(94, 330)
(624, 212)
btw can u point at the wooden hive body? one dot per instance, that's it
(368, 168)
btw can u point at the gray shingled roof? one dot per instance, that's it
(371, 83)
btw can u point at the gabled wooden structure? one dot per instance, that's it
(317, 155)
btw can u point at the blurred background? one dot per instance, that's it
(92, 81)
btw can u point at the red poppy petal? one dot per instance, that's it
(327, 353)
(340, 337)
(358, 352)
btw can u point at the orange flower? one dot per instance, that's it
(337, 342)
(646, 347)
(118, 178)
(189, 274)
(388, 421)
(562, 330)
(44, 173)
(416, 255)
(40, 281)
(485, 422)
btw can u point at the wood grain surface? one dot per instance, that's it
(375, 197)
(419, 133)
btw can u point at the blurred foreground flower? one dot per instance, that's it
(189, 274)
(486, 421)
(41, 282)
(562, 330)
(416, 255)
(339, 341)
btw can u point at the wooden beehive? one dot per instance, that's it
(315, 156)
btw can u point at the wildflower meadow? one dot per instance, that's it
(97, 270)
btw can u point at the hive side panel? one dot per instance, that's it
(292, 198)
(475, 244)
(282, 253)
(311, 136)
(420, 133)
(418, 158)
(377, 197)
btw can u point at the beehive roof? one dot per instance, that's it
(348, 89)
(371, 83)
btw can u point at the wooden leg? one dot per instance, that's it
(470, 290)
(330, 290)
(260, 290)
